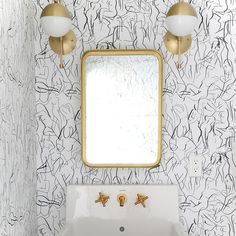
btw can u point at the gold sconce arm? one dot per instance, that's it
(61, 53)
(179, 44)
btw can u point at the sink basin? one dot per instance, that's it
(98, 227)
(160, 215)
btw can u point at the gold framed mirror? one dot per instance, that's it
(121, 108)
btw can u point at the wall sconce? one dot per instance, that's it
(56, 22)
(181, 20)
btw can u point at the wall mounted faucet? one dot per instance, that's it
(122, 199)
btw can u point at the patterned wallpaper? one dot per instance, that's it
(199, 115)
(17, 120)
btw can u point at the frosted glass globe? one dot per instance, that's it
(56, 26)
(56, 20)
(181, 19)
(181, 25)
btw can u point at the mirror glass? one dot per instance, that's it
(121, 108)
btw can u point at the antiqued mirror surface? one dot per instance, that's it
(121, 108)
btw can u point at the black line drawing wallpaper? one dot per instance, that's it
(17, 120)
(199, 110)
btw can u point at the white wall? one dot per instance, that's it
(199, 107)
(17, 120)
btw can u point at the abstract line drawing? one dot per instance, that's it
(17, 120)
(199, 110)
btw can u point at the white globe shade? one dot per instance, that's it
(55, 20)
(181, 25)
(181, 19)
(56, 26)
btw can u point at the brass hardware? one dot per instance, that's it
(141, 199)
(177, 45)
(68, 44)
(56, 9)
(61, 53)
(182, 8)
(102, 199)
(63, 45)
(174, 44)
(122, 199)
(83, 104)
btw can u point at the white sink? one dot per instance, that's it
(84, 217)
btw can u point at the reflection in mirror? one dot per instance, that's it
(121, 108)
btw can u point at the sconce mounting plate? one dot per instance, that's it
(68, 43)
(174, 46)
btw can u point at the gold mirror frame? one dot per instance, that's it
(83, 105)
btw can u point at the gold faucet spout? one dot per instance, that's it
(122, 201)
(122, 198)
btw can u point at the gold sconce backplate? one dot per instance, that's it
(174, 46)
(68, 43)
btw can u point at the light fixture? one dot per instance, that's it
(177, 45)
(181, 20)
(56, 22)
(63, 45)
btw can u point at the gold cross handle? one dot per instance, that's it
(141, 199)
(103, 198)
